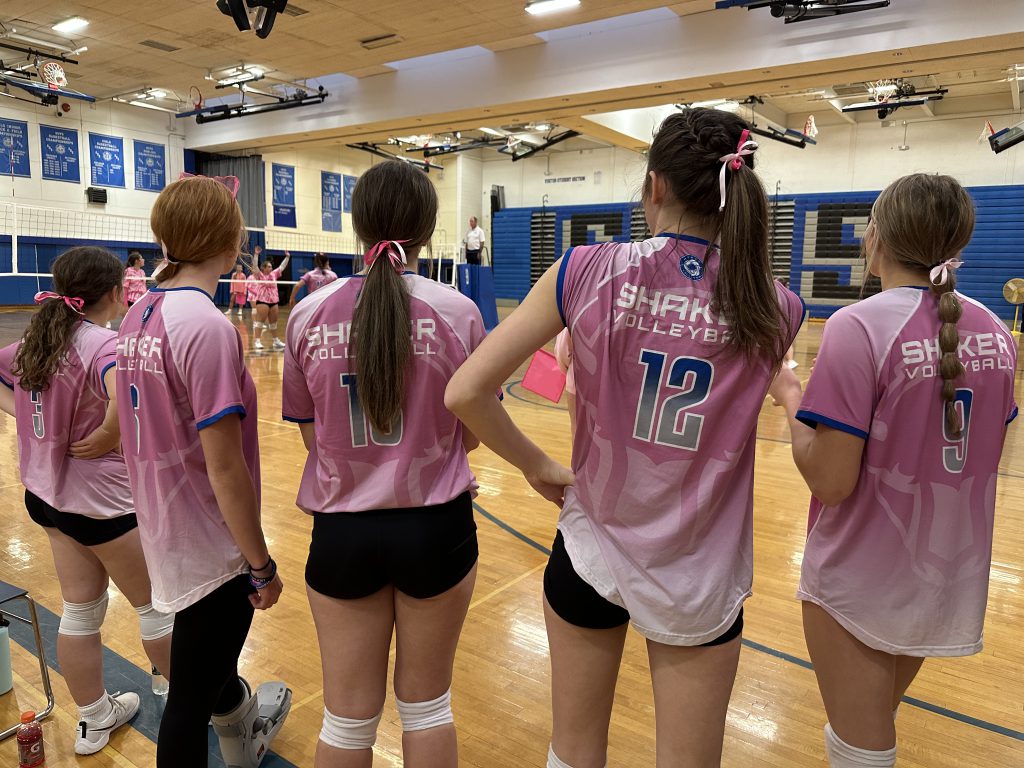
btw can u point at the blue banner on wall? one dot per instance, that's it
(106, 160)
(150, 166)
(60, 153)
(284, 195)
(350, 184)
(14, 148)
(330, 195)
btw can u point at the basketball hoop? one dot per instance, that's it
(196, 96)
(53, 75)
(883, 90)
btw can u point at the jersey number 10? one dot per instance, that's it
(359, 422)
(658, 420)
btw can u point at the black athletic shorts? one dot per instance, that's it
(87, 531)
(265, 304)
(579, 604)
(421, 551)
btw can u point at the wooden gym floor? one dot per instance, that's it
(963, 712)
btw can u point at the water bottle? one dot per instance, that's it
(30, 742)
(160, 685)
(6, 676)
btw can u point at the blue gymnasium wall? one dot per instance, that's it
(826, 266)
(574, 225)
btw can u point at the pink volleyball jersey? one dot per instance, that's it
(49, 421)
(903, 562)
(660, 518)
(563, 354)
(180, 369)
(134, 284)
(316, 279)
(238, 285)
(263, 287)
(353, 467)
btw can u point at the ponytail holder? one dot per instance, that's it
(734, 161)
(940, 272)
(74, 302)
(395, 254)
(167, 257)
(231, 182)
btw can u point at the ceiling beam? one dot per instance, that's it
(524, 41)
(693, 6)
(603, 133)
(927, 109)
(837, 105)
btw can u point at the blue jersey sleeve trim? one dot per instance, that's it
(685, 238)
(560, 285)
(218, 416)
(296, 420)
(1013, 415)
(182, 288)
(103, 377)
(812, 420)
(6, 383)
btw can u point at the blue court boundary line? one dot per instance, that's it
(120, 675)
(520, 398)
(1002, 730)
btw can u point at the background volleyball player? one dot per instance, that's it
(657, 529)
(899, 442)
(315, 279)
(394, 545)
(60, 385)
(265, 297)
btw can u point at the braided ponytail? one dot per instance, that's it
(923, 222)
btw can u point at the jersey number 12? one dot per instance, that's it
(657, 419)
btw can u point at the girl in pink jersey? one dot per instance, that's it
(238, 290)
(315, 279)
(134, 278)
(193, 459)
(266, 298)
(60, 387)
(387, 480)
(899, 436)
(675, 342)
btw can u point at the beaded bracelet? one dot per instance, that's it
(263, 583)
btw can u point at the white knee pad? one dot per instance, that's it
(272, 326)
(152, 624)
(422, 715)
(83, 619)
(346, 733)
(842, 755)
(257, 326)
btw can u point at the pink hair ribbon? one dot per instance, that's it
(397, 259)
(231, 182)
(73, 302)
(734, 161)
(940, 272)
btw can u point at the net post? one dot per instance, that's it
(14, 239)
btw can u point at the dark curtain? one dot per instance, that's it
(252, 194)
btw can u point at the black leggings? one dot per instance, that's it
(208, 639)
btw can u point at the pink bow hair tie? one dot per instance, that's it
(74, 302)
(940, 272)
(395, 254)
(734, 161)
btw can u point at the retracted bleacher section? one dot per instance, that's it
(815, 241)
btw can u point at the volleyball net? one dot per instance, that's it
(32, 236)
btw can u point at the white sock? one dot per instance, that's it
(553, 761)
(842, 755)
(99, 711)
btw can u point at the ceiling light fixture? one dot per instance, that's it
(540, 7)
(70, 26)
(492, 132)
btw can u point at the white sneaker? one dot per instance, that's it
(258, 344)
(278, 344)
(227, 311)
(238, 311)
(92, 737)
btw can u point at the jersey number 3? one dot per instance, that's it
(359, 422)
(657, 419)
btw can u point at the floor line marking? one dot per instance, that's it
(803, 663)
